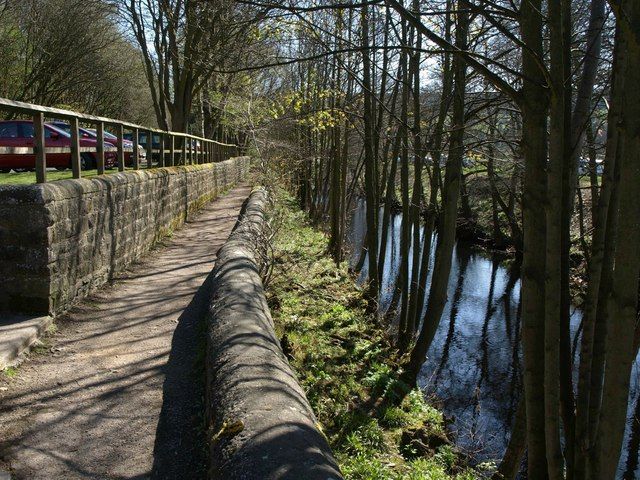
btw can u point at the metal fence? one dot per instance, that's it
(173, 148)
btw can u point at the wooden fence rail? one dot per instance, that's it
(184, 149)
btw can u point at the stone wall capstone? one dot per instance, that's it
(261, 424)
(61, 240)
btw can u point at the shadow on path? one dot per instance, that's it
(180, 447)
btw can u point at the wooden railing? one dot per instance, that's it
(174, 148)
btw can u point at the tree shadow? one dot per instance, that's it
(180, 445)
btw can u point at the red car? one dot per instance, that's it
(109, 138)
(17, 142)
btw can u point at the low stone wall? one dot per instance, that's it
(61, 240)
(260, 423)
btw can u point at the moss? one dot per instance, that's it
(346, 363)
(10, 372)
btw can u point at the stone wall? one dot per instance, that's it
(262, 426)
(61, 240)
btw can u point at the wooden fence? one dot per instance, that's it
(174, 148)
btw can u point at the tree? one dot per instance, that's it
(53, 56)
(183, 43)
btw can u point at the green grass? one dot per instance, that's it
(27, 178)
(347, 365)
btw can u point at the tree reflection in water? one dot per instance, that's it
(474, 365)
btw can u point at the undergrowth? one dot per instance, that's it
(347, 365)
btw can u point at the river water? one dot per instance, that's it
(474, 366)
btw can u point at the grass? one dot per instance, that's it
(27, 178)
(347, 365)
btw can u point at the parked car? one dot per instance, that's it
(17, 142)
(109, 138)
(142, 142)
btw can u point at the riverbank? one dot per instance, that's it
(347, 366)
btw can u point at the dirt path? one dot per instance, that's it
(119, 394)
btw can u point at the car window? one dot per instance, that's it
(50, 130)
(8, 130)
(65, 127)
(88, 132)
(27, 130)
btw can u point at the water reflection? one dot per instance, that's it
(474, 364)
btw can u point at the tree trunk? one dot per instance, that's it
(597, 269)
(534, 144)
(371, 189)
(450, 194)
(624, 293)
(554, 228)
(405, 231)
(416, 199)
(510, 464)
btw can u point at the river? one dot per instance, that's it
(474, 366)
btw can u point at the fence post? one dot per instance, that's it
(172, 150)
(120, 132)
(149, 149)
(75, 148)
(39, 147)
(183, 157)
(161, 162)
(136, 150)
(100, 148)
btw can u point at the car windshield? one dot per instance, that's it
(56, 128)
(66, 128)
(62, 127)
(28, 132)
(107, 135)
